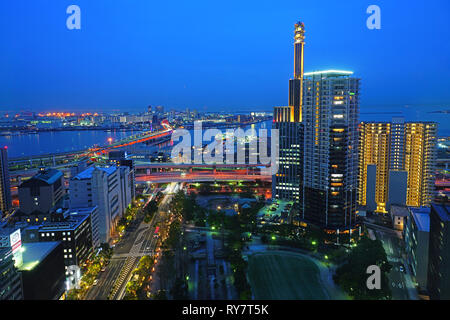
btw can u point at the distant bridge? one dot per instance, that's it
(200, 177)
(65, 158)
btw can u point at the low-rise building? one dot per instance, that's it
(417, 232)
(43, 275)
(439, 253)
(10, 279)
(104, 187)
(73, 230)
(399, 214)
(42, 191)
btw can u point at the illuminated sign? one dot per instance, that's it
(16, 241)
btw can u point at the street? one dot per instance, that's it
(137, 242)
(399, 281)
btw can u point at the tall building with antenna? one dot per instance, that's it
(287, 182)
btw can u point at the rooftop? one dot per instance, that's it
(35, 252)
(84, 210)
(87, 174)
(442, 210)
(70, 223)
(422, 218)
(48, 176)
(329, 72)
(399, 211)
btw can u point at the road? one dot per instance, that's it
(196, 177)
(138, 241)
(399, 281)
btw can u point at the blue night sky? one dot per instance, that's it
(216, 55)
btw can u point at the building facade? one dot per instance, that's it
(287, 181)
(396, 164)
(42, 271)
(74, 231)
(104, 187)
(5, 187)
(416, 235)
(42, 192)
(330, 168)
(10, 278)
(439, 253)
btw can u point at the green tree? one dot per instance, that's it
(160, 295)
(352, 276)
(179, 290)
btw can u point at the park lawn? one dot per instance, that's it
(285, 276)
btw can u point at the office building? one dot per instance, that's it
(439, 253)
(42, 270)
(5, 187)
(39, 194)
(94, 219)
(106, 188)
(121, 159)
(75, 233)
(330, 168)
(287, 181)
(296, 84)
(396, 165)
(10, 278)
(416, 235)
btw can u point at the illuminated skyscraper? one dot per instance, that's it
(330, 170)
(374, 157)
(420, 157)
(296, 84)
(286, 183)
(5, 188)
(396, 164)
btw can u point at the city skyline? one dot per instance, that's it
(312, 195)
(212, 65)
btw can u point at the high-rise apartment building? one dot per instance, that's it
(330, 168)
(420, 158)
(396, 164)
(374, 162)
(5, 188)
